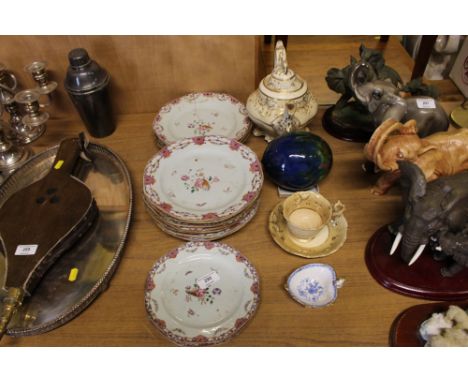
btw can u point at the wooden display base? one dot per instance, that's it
(405, 328)
(344, 130)
(420, 280)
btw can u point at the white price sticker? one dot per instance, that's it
(26, 250)
(425, 103)
(207, 280)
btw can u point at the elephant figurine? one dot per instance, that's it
(438, 208)
(383, 101)
(452, 247)
(440, 154)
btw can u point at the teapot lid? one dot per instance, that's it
(282, 82)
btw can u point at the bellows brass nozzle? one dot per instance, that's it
(10, 303)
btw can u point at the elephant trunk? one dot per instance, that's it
(413, 242)
(361, 74)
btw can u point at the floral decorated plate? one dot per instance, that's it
(203, 235)
(206, 227)
(328, 241)
(314, 285)
(201, 293)
(203, 179)
(200, 114)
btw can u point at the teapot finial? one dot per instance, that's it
(281, 61)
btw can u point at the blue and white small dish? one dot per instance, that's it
(314, 285)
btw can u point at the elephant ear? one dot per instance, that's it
(449, 199)
(412, 180)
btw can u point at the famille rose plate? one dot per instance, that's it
(201, 293)
(194, 233)
(203, 179)
(200, 114)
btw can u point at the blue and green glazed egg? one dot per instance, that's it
(297, 161)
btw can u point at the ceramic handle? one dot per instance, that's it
(339, 283)
(337, 210)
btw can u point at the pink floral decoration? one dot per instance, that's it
(150, 285)
(160, 323)
(199, 182)
(165, 152)
(173, 254)
(209, 244)
(240, 322)
(200, 339)
(249, 196)
(240, 258)
(255, 166)
(184, 177)
(198, 140)
(234, 145)
(166, 207)
(209, 215)
(149, 180)
(254, 288)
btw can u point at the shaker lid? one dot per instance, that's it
(78, 57)
(84, 74)
(282, 82)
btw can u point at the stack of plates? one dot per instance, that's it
(201, 114)
(203, 188)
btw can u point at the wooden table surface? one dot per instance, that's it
(361, 316)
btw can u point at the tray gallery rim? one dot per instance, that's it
(102, 283)
(162, 130)
(246, 309)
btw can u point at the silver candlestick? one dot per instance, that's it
(35, 120)
(11, 156)
(38, 71)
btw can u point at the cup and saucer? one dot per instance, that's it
(306, 224)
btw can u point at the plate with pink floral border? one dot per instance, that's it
(203, 179)
(201, 293)
(200, 114)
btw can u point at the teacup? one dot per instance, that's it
(307, 213)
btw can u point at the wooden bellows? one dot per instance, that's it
(44, 219)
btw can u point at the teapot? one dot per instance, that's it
(282, 103)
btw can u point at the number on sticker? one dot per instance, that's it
(26, 250)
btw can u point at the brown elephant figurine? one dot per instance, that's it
(440, 154)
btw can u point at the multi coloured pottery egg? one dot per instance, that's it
(297, 161)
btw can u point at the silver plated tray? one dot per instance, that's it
(82, 273)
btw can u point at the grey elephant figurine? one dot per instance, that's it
(435, 209)
(452, 247)
(383, 100)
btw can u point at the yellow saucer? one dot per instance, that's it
(329, 240)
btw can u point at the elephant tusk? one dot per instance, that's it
(396, 242)
(417, 254)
